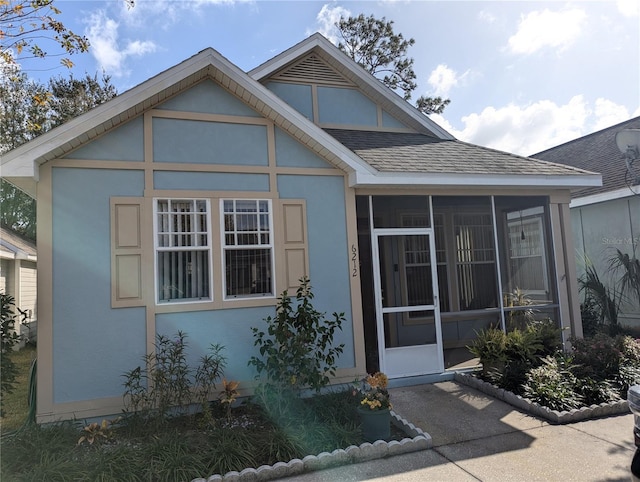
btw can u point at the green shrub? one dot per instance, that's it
(552, 385)
(166, 385)
(489, 346)
(8, 339)
(597, 357)
(297, 350)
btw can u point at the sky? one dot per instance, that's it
(522, 76)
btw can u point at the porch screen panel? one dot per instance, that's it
(183, 250)
(526, 251)
(527, 255)
(475, 261)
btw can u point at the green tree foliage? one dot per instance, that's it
(8, 338)
(29, 27)
(28, 109)
(378, 49)
(26, 24)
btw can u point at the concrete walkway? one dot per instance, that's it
(476, 437)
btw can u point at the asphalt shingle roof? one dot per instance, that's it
(408, 152)
(595, 152)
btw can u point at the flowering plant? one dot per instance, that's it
(376, 396)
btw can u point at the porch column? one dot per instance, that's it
(565, 265)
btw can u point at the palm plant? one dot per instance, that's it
(629, 266)
(606, 300)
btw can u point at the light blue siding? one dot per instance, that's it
(199, 142)
(93, 345)
(296, 95)
(328, 250)
(209, 98)
(290, 153)
(345, 107)
(231, 328)
(210, 181)
(389, 121)
(124, 143)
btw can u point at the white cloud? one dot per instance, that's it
(608, 113)
(165, 13)
(106, 47)
(327, 17)
(486, 17)
(533, 128)
(628, 8)
(546, 29)
(442, 80)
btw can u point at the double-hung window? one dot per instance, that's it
(247, 243)
(183, 250)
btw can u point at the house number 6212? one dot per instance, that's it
(354, 260)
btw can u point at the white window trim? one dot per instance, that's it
(223, 249)
(157, 248)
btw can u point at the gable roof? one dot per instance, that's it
(14, 246)
(363, 166)
(596, 152)
(409, 159)
(23, 161)
(316, 50)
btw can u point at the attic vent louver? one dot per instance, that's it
(312, 69)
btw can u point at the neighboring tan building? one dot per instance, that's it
(18, 278)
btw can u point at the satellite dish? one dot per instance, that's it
(628, 139)
(628, 142)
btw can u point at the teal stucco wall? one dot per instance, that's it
(93, 345)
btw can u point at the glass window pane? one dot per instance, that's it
(183, 275)
(248, 272)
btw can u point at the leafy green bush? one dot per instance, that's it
(8, 339)
(165, 385)
(552, 384)
(489, 346)
(297, 348)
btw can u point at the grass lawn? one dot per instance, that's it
(15, 404)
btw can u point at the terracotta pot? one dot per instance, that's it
(376, 424)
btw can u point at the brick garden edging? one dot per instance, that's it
(417, 440)
(553, 416)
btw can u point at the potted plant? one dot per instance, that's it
(375, 408)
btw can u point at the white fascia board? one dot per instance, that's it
(317, 40)
(472, 180)
(605, 196)
(7, 254)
